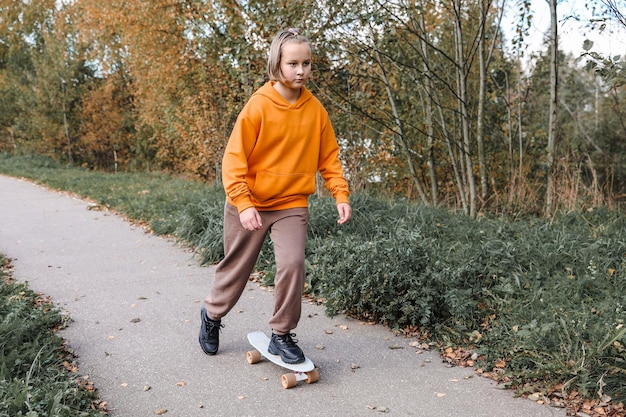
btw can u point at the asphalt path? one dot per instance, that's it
(134, 301)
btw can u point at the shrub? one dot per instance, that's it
(33, 380)
(201, 226)
(383, 280)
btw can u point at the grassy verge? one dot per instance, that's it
(37, 374)
(537, 305)
(154, 199)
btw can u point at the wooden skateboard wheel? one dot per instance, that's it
(313, 376)
(288, 380)
(253, 356)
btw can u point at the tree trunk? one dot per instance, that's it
(430, 123)
(553, 122)
(400, 130)
(480, 122)
(461, 75)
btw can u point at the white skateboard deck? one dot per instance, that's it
(304, 371)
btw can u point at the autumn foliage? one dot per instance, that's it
(426, 99)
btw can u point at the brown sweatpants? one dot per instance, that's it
(287, 229)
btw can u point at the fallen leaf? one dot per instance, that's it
(135, 320)
(393, 347)
(71, 368)
(160, 411)
(181, 383)
(328, 331)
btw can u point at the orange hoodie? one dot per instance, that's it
(275, 151)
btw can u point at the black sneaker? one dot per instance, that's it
(285, 346)
(209, 333)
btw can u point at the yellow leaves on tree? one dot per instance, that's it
(154, 42)
(105, 132)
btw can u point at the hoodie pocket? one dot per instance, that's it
(270, 185)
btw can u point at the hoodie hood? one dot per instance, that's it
(268, 91)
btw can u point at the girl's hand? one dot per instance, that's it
(345, 212)
(250, 219)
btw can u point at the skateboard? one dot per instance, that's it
(304, 371)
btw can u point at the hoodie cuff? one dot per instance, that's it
(242, 203)
(342, 198)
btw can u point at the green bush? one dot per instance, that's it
(33, 380)
(384, 280)
(201, 225)
(543, 296)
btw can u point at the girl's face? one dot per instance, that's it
(295, 64)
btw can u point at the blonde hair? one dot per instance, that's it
(276, 51)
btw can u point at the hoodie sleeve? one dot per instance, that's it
(235, 161)
(329, 164)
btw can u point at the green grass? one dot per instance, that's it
(540, 303)
(151, 198)
(34, 375)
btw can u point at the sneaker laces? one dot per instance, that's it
(213, 327)
(288, 339)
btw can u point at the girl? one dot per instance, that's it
(282, 137)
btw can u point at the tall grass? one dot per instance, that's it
(540, 303)
(34, 376)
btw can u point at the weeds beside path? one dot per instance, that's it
(37, 373)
